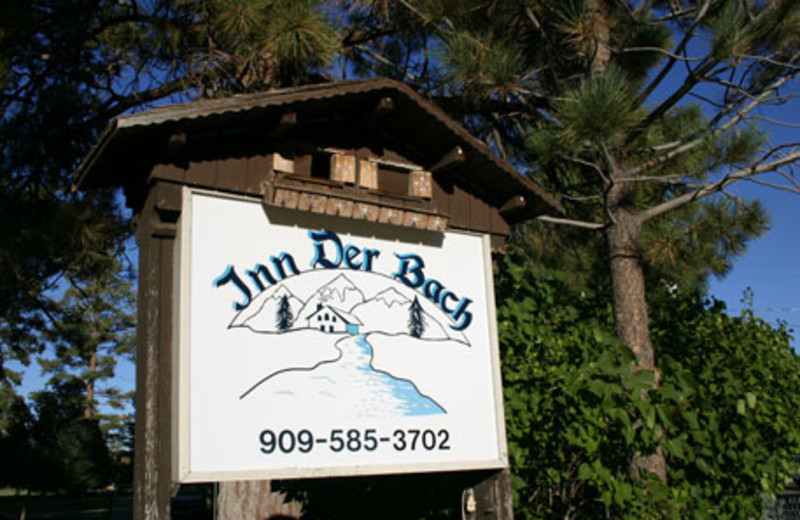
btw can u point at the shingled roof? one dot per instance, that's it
(131, 145)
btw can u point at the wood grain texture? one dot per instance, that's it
(254, 500)
(153, 441)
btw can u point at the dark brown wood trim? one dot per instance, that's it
(515, 203)
(154, 336)
(452, 158)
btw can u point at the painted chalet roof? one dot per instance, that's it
(414, 127)
(344, 316)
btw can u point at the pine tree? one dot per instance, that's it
(70, 452)
(284, 316)
(416, 319)
(66, 69)
(90, 331)
(634, 113)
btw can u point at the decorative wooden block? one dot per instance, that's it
(318, 203)
(420, 184)
(343, 168)
(437, 224)
(391, 216)
(286, 198)
(415, 220)
(363, 211)
(282, 164)
(304, 202)
(339, 207)
(368, 174)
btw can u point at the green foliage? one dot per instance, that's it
(573, 412)
(69, 452)
(601, 108)
(89, 331)
(637, 44)
(255, 44)
(484, 65)
(684, 248)
(16, 445)
(66, 68)
(732, 35)
(723, 414)
(728, 408)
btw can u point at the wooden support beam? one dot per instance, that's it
(515, 203)
(384, 106)
(491, 498)
(452, 158)
(154, 334)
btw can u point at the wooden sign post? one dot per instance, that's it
(316, 300)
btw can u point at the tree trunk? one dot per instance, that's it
(627, 278)
(254, 500)
(630, 311)
(601, 37)
(88, 410)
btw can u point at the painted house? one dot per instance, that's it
(330, 319)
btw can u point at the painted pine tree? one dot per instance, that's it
(284, 316)
(416, 321)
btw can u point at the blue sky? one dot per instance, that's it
(771, 265)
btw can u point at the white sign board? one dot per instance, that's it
(331, 346)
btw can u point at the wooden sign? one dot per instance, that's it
(308, 351)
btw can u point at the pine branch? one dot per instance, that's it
(791, 189)
(776, 121)
(136, 99)
(384, 61)
(675, 14)
(695, 76)
(715, 187)
(426, 20)
(672, 61)
(570, 222)
(359, 37)
(777, 63)
(663, 179)
(593, 166)
(658, 50)
(697, 141)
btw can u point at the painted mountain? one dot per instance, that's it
(389, 311)
(262, 313)
(339, 293)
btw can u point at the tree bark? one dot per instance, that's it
(254, 500)
(627, 278)
(601, 37)
(88, 410)
(631, 319)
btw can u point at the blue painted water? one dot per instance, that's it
(411, 400)
(349, 385)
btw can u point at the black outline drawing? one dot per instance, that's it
(338, 358)
(422, 321)
(449, 335)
